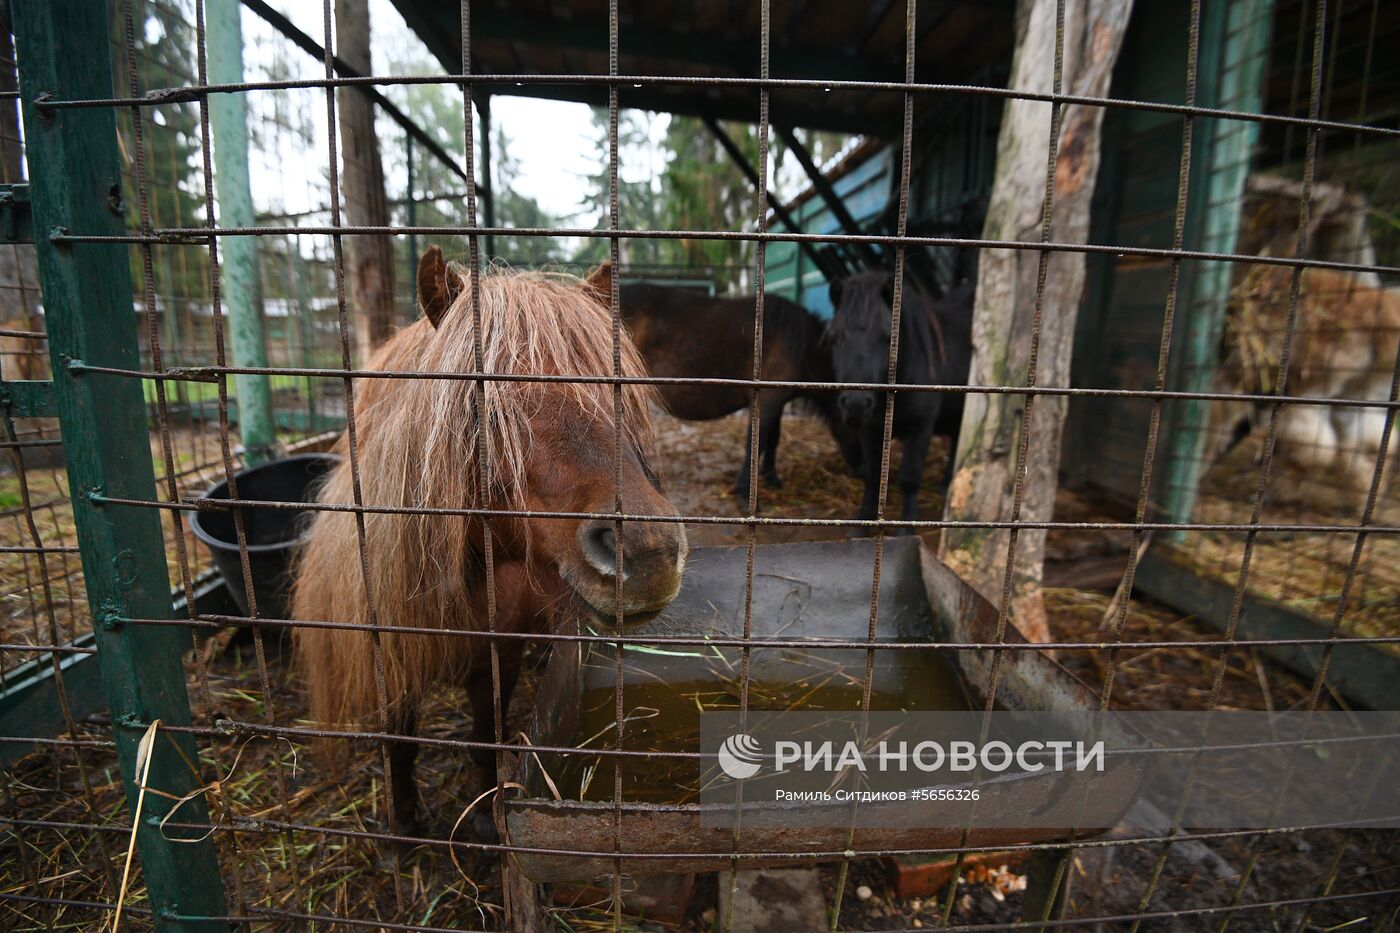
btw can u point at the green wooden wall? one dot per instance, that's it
(1120, 323)
(1118, 339)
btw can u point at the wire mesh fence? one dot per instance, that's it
(1257, 412)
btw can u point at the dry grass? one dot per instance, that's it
(297, 872)
(1303, 570)
(1179, 677)
(697, 462)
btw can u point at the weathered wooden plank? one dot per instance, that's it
(16, 218)
(29, 705)
(28, 398)
(1367, 676)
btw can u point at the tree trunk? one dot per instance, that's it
(369, 259)
(982, 487)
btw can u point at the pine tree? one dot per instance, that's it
(161, 50)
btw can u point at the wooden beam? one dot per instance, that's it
(28, 398)
(29, 704)
(828, 194)
(437, 25)
(824, 261)
(689, 53)
(76, 184)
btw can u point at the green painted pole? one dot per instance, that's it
(76, 187)
(240, 282)
(1233, 55)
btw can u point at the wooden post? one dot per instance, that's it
(487, 191)
(1007, 295)
(828, 194)
(369, 259)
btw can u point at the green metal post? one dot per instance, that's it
(228, 116)
(1233, 53)
(76, 187)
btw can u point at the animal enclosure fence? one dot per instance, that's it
(240, 850)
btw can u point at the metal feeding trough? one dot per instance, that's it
(818, 590)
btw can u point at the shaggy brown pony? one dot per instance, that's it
(550, 448)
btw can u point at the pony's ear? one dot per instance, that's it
(438, 286)
(599, 284)
(835, 291)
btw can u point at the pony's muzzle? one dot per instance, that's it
(652, 559)
(856, 406)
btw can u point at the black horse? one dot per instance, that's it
(935, 348)
(683, 333)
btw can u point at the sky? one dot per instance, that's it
(550, 140)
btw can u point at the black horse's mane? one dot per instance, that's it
(920, 334)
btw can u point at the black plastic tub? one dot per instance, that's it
(273, 535)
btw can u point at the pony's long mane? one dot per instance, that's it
(920, 335)
(416, 446)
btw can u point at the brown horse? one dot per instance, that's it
(550, 448)
(681, 333)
